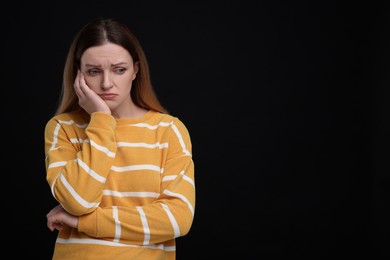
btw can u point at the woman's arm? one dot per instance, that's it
(77, 168)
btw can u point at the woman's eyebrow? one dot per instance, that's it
(112, 65)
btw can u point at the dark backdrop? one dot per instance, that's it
(286, 103)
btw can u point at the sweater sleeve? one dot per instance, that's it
(76, 167)
(169, 216)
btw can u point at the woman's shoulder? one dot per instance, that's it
(175, 122)
(166, 118)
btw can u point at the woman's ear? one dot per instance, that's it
(136, 68)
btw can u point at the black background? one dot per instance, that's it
(286, 103)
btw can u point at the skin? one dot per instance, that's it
(102, 84)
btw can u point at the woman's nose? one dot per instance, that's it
(106, 81)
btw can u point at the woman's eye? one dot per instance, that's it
(93, 71)
(120, 70)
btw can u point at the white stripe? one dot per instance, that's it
(169, 178)
(103, 149)
(185, 177)
(177, 195)
(117, 224)
(151, 127)
(145, 145)
(177, 132)
(170, 248)
(144, 225)
(175, 226)
(70, 122)
(191, 181)
(91, 172)
(110, 243)
(55, 137)
(56, 164)
(76, 196)
(136, 168)
(140, 194)
(52, 187)
(95, 145)
(79, 141)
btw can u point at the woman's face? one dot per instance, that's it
(109, 71)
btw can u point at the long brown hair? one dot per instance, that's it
(96, 33)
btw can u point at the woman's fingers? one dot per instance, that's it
(81, 87)
(54, 225)
(76, 85)
(54, 210)
(55, 218)
(84, 87)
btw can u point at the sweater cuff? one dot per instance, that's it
(102, 120)
(88, 224)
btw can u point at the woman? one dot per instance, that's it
(119, 165)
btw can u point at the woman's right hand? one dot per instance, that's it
(88, 99)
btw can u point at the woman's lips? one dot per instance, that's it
(107, 96)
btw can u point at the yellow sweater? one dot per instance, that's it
(130, 181)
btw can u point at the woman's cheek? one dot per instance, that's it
(92, 83)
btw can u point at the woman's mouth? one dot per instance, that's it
(108, 96)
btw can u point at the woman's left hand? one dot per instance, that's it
(59, 216)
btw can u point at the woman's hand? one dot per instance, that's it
(88, 99)
(58, 216)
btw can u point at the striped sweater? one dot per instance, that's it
(130, 181)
